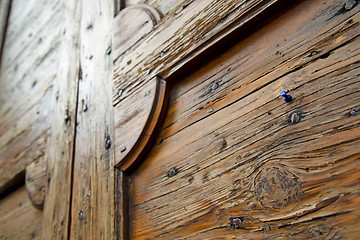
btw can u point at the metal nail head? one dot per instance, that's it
(287, 98)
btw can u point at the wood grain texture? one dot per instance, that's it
(181, 36)
(132, 24)
(93, 187)
(57, 206)
(35, 182)
(165, 6)
(28, 69)
(242, 169)
(18, 217)
(137, 120)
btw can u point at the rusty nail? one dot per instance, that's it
(81, 214)
(236, 222)
(108, 143)
(295, 118)
(123, 149)
(108, 50)
(172, 172)
(350, 4)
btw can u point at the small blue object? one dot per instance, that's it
(287, 97)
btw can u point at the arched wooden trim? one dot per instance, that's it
(135, 113)
(132, 24)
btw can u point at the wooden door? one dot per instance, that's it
(233, 159)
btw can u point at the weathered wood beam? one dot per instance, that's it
(92, 210)
(56, 215)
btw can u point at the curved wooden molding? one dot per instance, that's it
(136, 121)
(133, 23)
(35, 180)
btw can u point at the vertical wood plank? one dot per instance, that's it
(59, 166)
(122, 190)
(93, 185)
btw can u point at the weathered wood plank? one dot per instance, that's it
(18, 217)
(227, 132)
(56, 218)
(132, 24)
(180, 37)
(29, 66)
(93, 186)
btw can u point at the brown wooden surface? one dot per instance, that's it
(121, 205)
(92, 210)
(229, 164)
(131, 25)
(18, 217)
(63, 121)
(136, 120)
(28, 68)
(181, 36)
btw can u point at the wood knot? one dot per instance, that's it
(319, 231)
(276, 188)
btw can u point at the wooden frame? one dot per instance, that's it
(139, 66)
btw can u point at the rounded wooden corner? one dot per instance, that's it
(35, 180)
(127, 159)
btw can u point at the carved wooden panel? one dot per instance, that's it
(235, 161)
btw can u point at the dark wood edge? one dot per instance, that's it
(7, 5)
(122, 205)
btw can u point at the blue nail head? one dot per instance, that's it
(287, 97)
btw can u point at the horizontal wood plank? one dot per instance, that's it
(28, 69)
(241, 168)
(18, 217)
(180, 37)
(92, 211)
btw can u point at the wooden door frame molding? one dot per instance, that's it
(165, 66)
(164, 54)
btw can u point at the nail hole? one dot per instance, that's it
(172, 172)
(325, 55)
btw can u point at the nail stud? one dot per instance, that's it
(286, 97)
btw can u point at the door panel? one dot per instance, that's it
(234, 160)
